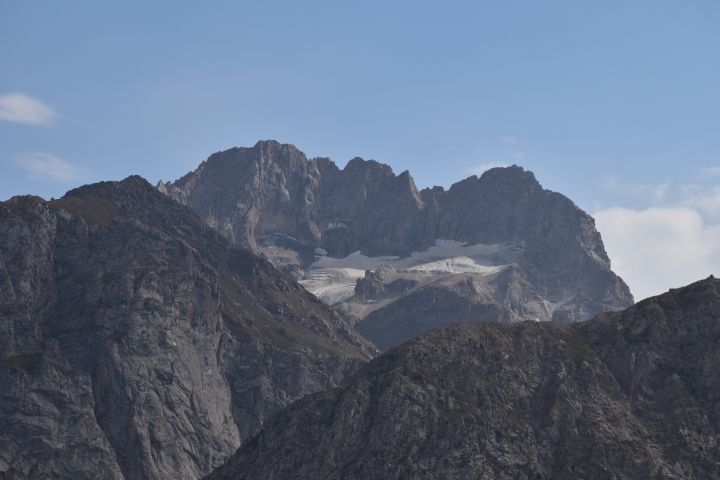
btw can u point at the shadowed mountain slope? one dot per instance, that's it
(627, 395)
(136, 342)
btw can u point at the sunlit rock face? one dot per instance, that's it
(498, 247)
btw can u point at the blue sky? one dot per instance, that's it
(615, 104)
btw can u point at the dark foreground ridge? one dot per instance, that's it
(137, 343)
(272, 199)
(628, 395)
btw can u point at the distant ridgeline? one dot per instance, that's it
(138, 340)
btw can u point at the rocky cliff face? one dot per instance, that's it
(135, 342)
(632, 394)
(390, 318)
(299, 213)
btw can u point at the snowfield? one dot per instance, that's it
(332, 280)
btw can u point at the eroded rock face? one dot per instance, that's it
(135, 342)
(292, 210)
(505, 297)
(631, 394)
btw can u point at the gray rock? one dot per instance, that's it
(506, 297)
(252, 195)
(628, 395)
(137, 343)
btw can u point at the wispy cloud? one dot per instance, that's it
(483, 167)
(506, 153)
(654, 192)
(713, 171)
(706, 200)
(703, 195)
(21, 108)
(43, 166)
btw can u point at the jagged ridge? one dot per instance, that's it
(272, 199)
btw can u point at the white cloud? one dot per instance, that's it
(21, 108)
(43, 166)
(480, 169)
(659, 248)
(655, 192)
(705, 200)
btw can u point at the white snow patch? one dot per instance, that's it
(550, 307)
(354, 260)
(333, 280)
(333, 225)
(332, 285)
(479, 254)
(456, 265)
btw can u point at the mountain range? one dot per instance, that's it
(498, 247)
(231, 324)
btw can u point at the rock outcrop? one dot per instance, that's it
(505, 297)
(627, 395)
(294, 211)
(136, 342)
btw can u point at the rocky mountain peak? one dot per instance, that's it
(101, 203)
(272, 145)
(368, 169)
(274, 201)
(132, 190)
(274, 152)
(513, 174)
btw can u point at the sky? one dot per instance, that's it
(615, 104)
